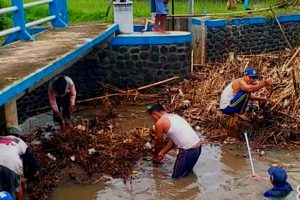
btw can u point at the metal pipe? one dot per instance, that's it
(10, 31)
(173, 18)
(37, 3)
(191, 11)
(40, 21)
(8, 10)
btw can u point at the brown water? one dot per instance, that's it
(222, 172)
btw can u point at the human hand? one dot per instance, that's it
(59, 116)
(160, 156)
(264, 99)
(152, 129)
(37, 173)
(267, 83)
(71, 108)
(157, 159)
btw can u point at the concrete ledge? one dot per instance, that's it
(19, 87)
(245, 21)
(289, 18)
(196, 22)
(151, 38)
(248, 20)
(215, 23)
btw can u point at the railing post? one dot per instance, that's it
(19, 20)
(58, 8)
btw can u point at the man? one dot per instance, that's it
(161, 9)
(62, 95)
(180, 134)
(235, 97)
(16, 165)
(278, 177)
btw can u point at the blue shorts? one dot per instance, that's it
(161, 7)
(9, 181)
(279, 191)
(153, 7)
(185, 162)
(238, 104)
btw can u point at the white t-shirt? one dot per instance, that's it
(181, 133)
(226, 96)
(11, 148)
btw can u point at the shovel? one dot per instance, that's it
(255, 176)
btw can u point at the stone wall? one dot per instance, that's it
(123, 66)
(248, 39)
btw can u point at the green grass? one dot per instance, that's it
(95, 10)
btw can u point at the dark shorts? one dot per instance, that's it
(9, 181)
(185, 162)
(238, 104)
(63, 104)
(153, 6)
(161, 8)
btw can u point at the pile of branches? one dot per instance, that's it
(275, 124)
(99, 152)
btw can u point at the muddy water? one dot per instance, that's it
(222, 172)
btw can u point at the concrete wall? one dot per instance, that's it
(142, 62)
(248, 35)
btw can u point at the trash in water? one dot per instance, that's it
(51, 156)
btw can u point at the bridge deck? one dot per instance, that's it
(23, 58)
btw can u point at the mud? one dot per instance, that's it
(222, 172)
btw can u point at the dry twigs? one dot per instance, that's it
(272, 124)
(97, 151)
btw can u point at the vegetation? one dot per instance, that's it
(95, 10)
(4, 19)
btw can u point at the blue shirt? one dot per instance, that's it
(279, 191)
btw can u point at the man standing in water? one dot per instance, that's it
(235, 96)
(180, 134)
(62, 95)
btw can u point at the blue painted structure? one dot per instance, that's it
(21, 86)
(20, 31)
(151, 38)
(244, 21)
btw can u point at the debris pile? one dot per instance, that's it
(274, 124)
(99, 152)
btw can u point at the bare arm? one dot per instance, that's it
(256, 98)
(167, 148)
(159, 137)
(251, 88)
(52, 99)
(72, 93)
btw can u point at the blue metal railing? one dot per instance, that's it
(20, 31)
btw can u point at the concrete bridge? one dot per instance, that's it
(32, 55)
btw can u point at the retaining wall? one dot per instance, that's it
(248, 35)
(128, 61)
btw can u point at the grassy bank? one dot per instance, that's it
(95, 10)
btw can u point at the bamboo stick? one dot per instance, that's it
(229, 13)
(291, 59)
(283, 33)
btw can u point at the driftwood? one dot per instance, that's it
(291, 59)
(131, 92)
(272, 124)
